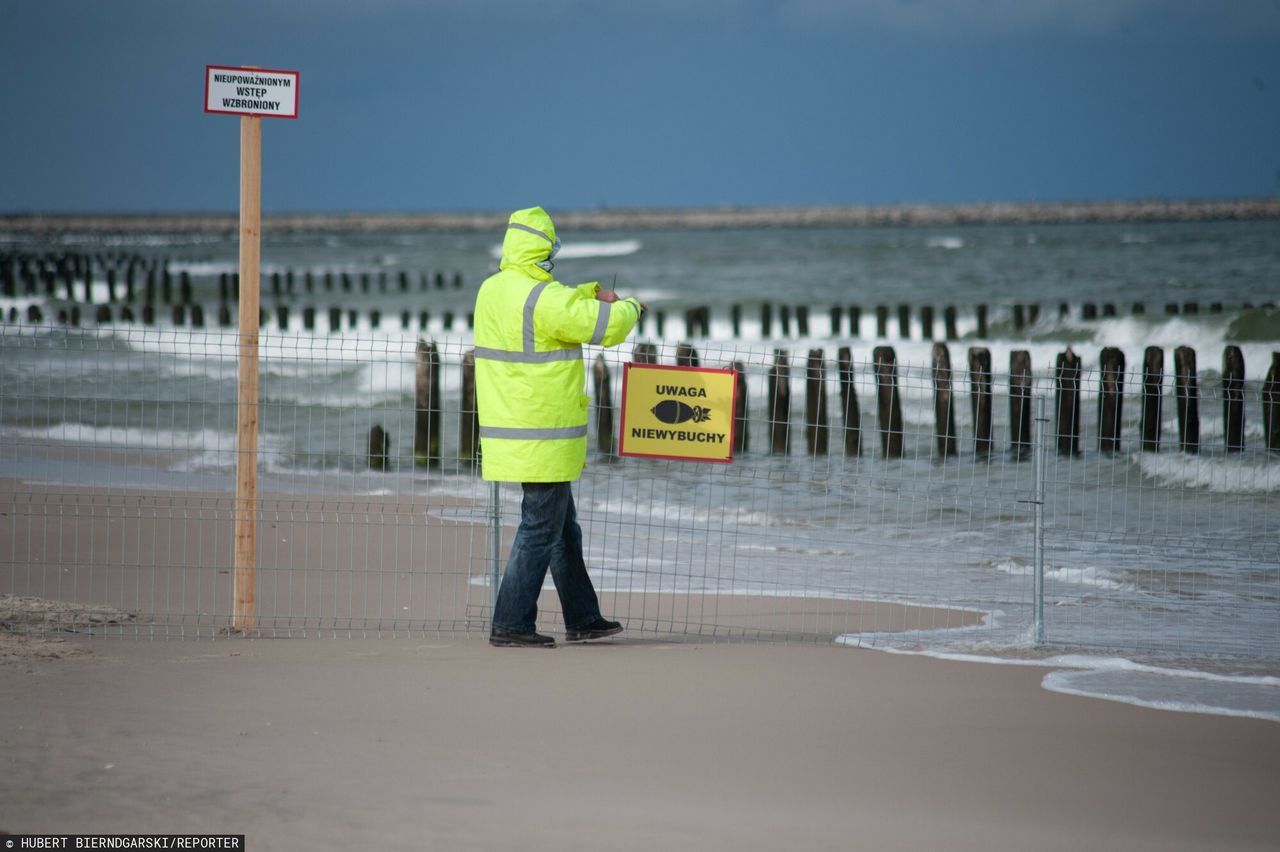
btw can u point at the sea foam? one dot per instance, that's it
(1225, 475)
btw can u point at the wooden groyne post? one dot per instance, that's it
(1186, 392)
(379, 448)
(426, 415)
(780, 404)
(697, 322)
(604, 406)
(944, 409)
(1110, 399)
(1067, 374)
(1020, 403)
(469, 427)
(816, 427)
(644, 353)
(888, 405)
(1233, 398)
(740, 442)
(1271, 404)
(687, 356)
(1152, 397)
(851, 417)
(980, 399)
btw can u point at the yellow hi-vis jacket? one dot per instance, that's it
(530, 380)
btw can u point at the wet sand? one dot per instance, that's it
(624, 744)
(640, 742)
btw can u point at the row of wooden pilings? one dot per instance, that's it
(71, 278)
(697, 321)
(181, 314)
(779, 320)
(27, 271)
(1068, 412)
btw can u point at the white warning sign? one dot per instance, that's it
(251, 91)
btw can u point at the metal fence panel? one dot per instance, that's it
(117, 458)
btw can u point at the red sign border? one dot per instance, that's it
(622, 426)
(297, 90)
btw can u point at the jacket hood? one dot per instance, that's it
(528, 241)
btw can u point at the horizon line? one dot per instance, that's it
(692, 216)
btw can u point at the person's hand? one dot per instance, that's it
(606, 296)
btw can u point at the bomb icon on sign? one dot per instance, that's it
(674, 411)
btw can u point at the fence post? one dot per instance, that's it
(1042, 420)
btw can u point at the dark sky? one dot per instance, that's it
(422, 105)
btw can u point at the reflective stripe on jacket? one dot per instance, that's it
(530, 380)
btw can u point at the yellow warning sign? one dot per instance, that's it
(683, 413)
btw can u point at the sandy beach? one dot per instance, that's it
(451, 744)
(660, 739)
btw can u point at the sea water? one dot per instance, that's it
(1176, 557)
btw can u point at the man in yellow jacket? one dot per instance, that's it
(530, 380)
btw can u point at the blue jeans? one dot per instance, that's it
(548, 537)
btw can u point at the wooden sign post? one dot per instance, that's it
(250, 93)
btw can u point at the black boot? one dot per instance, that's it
(510, 639)
(597, 629)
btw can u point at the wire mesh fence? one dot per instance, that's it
(876, 501)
